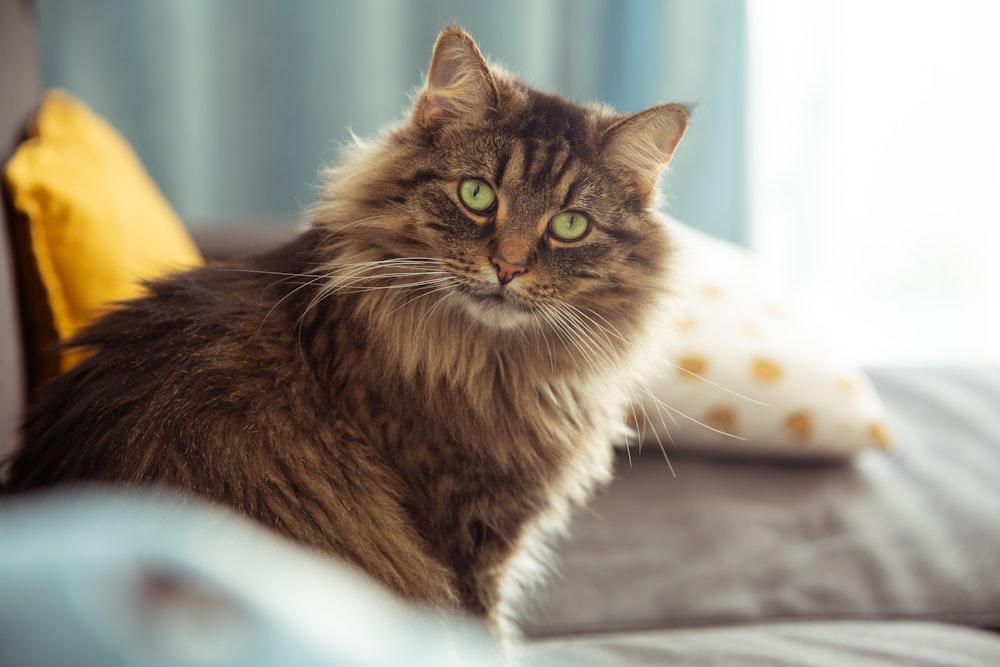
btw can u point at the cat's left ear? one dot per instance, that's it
(643, 143)
(459, 83)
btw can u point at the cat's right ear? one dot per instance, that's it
(459, 83)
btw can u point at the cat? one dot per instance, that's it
(428, 379)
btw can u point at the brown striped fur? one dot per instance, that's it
(373, 390)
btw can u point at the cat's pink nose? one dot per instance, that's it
(507, 271)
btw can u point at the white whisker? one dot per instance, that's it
(356, 278)
(558, 328)
(618, 334)
(680, 413)
(444, 286)
(595, 339)
(422, 322)
(545, 339)
(282, 299)
(719, 386)
(656, 434)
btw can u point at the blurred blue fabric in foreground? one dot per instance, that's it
(142, 579)
(235, 104)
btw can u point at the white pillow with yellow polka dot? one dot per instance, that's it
(745, 373)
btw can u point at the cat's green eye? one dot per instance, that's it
(477, 195)
(569, 226)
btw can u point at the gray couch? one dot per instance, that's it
(892, 559)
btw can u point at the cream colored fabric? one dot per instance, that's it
(746, 374)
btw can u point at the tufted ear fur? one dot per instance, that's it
(644, 142)
(459, 83)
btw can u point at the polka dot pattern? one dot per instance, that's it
(746, 373)
(691, 366)
(767, 370)
(724, 418)
(799, 425)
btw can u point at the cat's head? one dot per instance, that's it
(515, 207)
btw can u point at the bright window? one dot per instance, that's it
(875, 170)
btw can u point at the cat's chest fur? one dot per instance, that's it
(493, 441)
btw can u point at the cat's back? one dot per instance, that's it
(208, 386)
(208, 354)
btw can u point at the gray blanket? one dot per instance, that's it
(910, 535)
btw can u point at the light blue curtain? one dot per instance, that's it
(234, 105)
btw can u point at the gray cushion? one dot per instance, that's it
(911, 534)
(874, 644)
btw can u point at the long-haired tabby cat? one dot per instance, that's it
(425, 381)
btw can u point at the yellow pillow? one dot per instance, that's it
(97, 224)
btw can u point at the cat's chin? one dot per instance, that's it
(498, 310)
